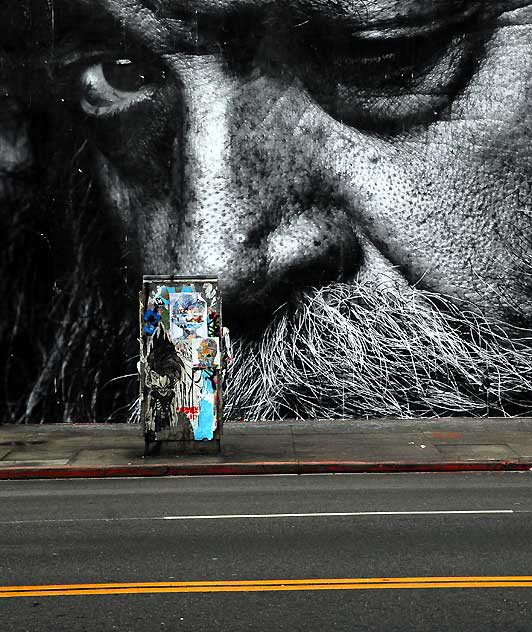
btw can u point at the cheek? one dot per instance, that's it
(140, 142)
(135, 164)
(16, 154)
(140, 216)
(441, 206)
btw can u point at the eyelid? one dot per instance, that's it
(378, 47)
(83, 56)
(373, 80)
(389, 30)
(67, 58)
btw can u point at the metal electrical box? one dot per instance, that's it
(181, 362)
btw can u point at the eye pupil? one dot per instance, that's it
(125, 75)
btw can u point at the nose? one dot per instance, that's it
(253, 209)
(213, 214)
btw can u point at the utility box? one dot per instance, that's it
(181, 362)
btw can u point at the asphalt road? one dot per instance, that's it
(122, 531)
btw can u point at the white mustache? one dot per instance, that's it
(362, 350)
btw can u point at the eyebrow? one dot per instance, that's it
(160, 26)
(131, 16)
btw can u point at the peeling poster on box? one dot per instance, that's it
(188, 316)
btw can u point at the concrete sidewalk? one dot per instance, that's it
(296, 447)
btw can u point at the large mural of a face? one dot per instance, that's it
(358, 174)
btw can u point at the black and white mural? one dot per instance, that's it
(357, 173)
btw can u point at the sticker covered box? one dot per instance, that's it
(181, 359)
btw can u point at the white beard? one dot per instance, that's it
(360, 350)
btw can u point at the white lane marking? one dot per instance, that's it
(340, 514)
(275, 515)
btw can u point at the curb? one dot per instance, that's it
(256, 468)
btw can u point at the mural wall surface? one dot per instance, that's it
(357, 174)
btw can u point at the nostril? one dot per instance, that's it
(300, 256)
(335, 263)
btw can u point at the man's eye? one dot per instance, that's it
(110, 87)
(387, 84)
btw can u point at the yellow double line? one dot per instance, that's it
(266, 585)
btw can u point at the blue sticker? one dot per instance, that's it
(152, 319)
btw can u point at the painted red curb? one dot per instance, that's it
(263, 467)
